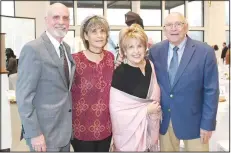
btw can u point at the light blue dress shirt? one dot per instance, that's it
(180, 51)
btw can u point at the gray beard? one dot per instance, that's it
(59, 33)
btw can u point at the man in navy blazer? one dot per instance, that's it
(187, 73)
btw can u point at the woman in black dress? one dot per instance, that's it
(135, 95)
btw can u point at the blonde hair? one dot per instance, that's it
(90, 22)
(134, 31)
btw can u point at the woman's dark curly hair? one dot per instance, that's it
(10, 53)
(215, 47)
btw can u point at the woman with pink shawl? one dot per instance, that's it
(134, 96)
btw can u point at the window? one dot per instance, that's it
(154, 35)
(70, 5)
(175, 6)
(70, 40)
(71, 10)
(116, 11)
(7, 8)
(87, 8)
(197, 35)
(227, 15)
(166, 13)
(195, 18)
(228, 38)
(113, 41)
(150, 12)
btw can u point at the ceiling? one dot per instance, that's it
(122, 4)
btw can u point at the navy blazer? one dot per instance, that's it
(192, 101)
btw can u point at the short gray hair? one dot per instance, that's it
(176, 13)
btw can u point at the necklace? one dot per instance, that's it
(94, 52)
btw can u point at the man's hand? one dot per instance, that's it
(154, 108)
(205, 136)
(119, 60)
(38, 143)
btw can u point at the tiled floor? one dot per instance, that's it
(17, 145)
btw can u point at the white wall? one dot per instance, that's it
(6, 132)
(215, 23)
(33, 9)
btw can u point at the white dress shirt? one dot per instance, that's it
(56, 45)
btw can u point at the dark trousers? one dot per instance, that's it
(91, 146)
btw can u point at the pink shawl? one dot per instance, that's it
(132, 128)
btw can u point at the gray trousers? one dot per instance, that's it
(61, 149)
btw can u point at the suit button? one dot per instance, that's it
(171, 95)
(169, 110)
(69, 110)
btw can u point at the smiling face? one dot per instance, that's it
(175, 28)
(133, 43)
(94, 32)
(135, 51)
(57, 20)
(96, 37)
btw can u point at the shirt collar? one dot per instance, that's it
(53, 40)
(181, 45)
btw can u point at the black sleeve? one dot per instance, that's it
(11, 64)
(118, 78)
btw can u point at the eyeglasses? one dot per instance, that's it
(177, 25)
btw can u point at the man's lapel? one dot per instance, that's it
(187, 55)
(54, 56)
(164, 62)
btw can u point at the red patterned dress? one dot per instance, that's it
(90, 95)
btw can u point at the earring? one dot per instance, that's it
(125, 61)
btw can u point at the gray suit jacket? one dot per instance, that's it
(43, 97)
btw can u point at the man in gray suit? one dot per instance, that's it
(45, 75)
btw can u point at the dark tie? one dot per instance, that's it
(173, 65)
(64, 62)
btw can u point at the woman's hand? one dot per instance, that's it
(119, 60)
(154, 107)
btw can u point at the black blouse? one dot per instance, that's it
(131, 80)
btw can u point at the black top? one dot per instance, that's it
(11, 66)
(223, 53)
(131, 80)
